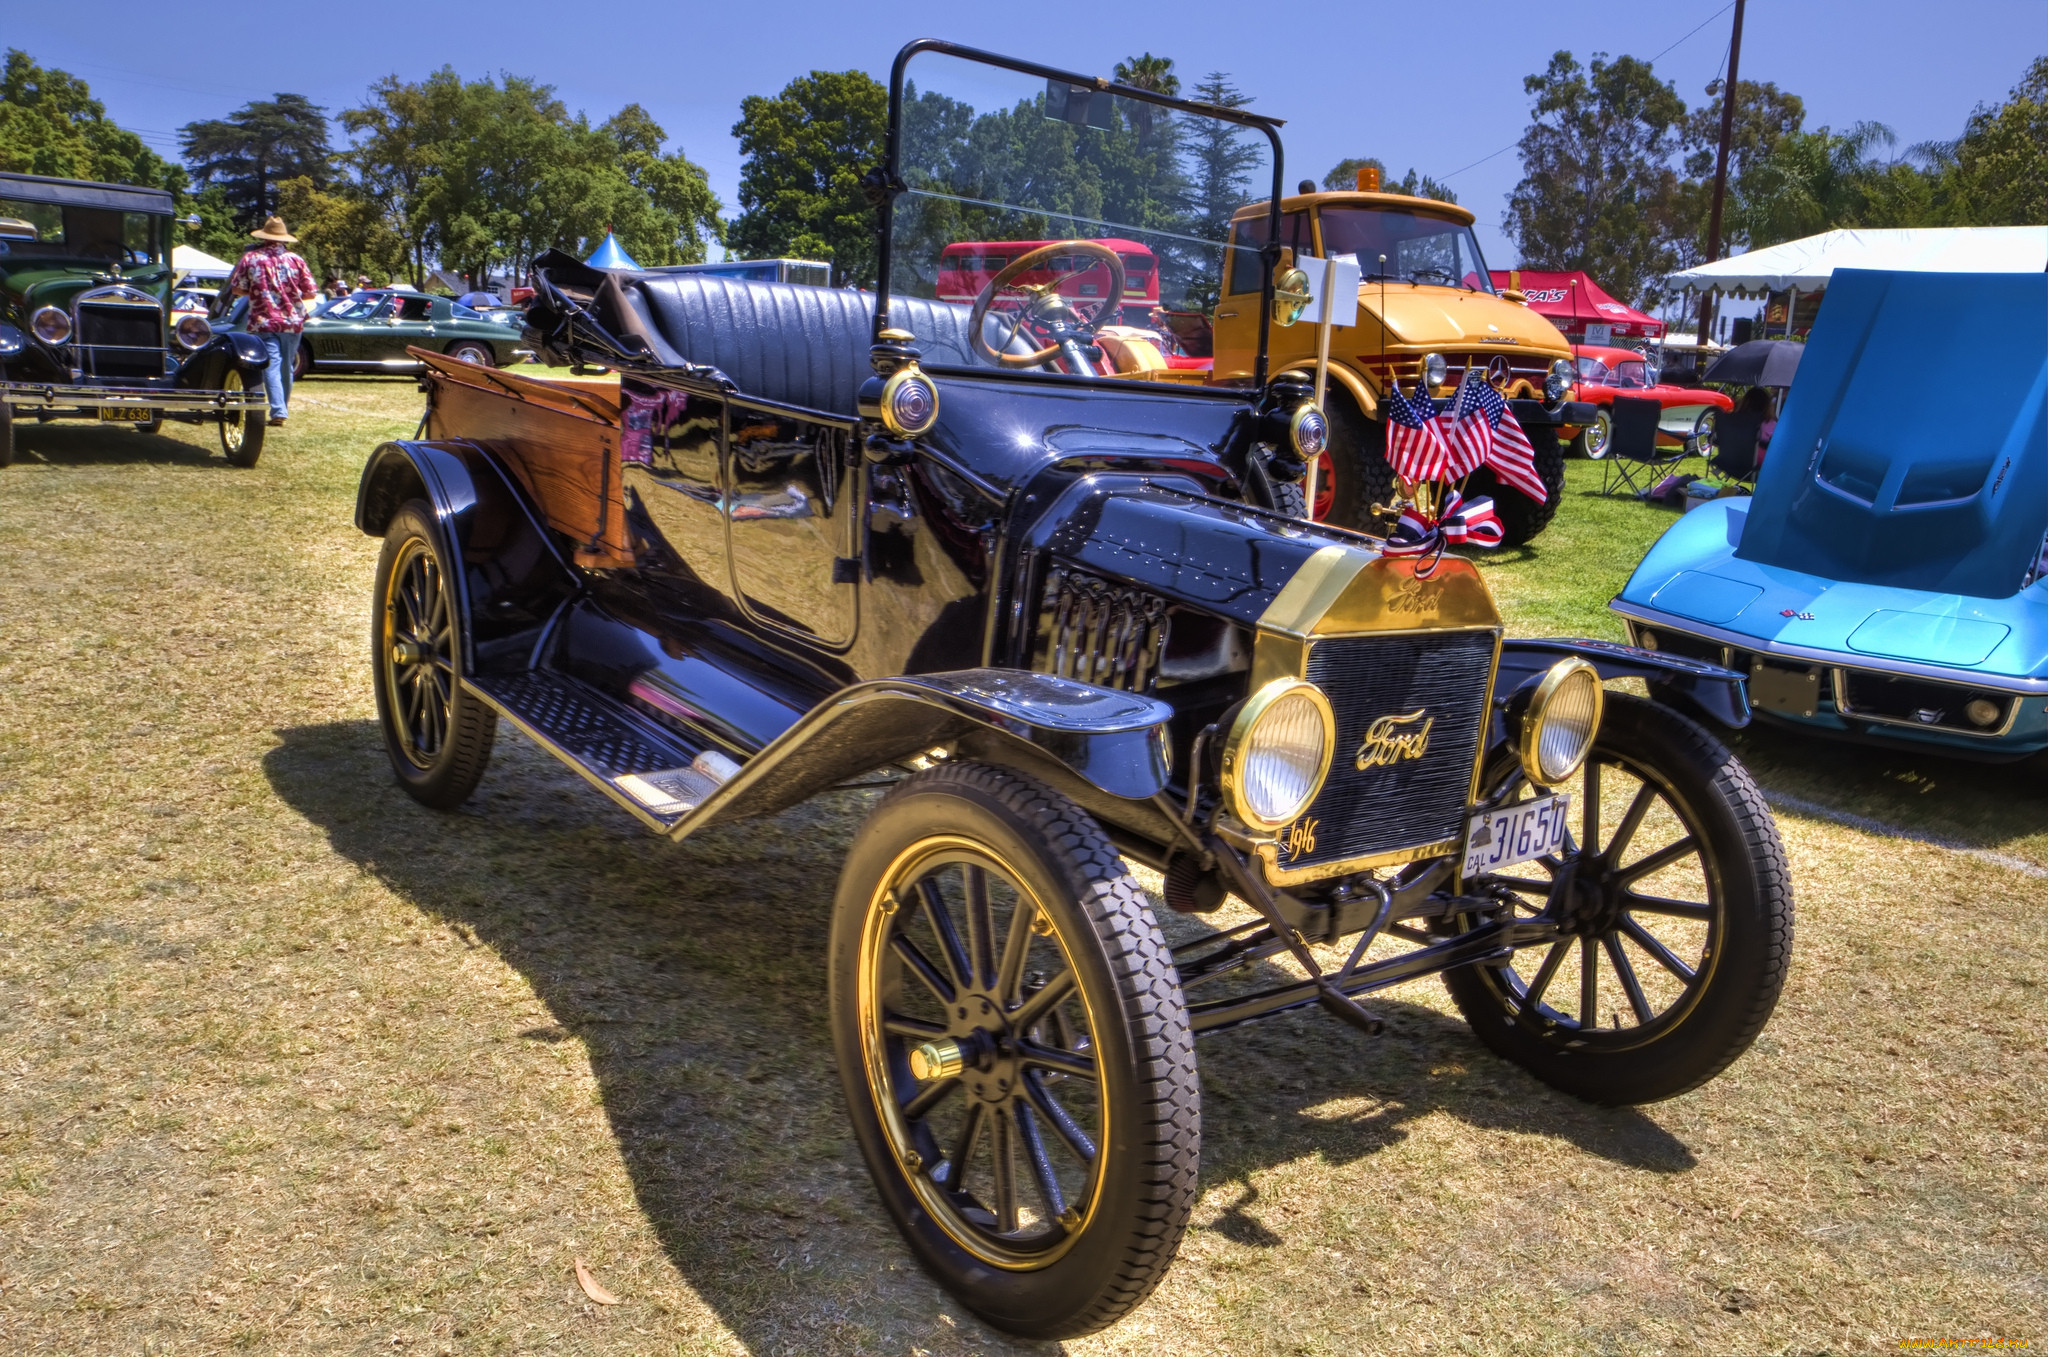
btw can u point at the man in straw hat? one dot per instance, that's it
(276, 281)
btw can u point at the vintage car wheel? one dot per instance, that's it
(241, 431)
(6, 434)
(438, 734)
(1521, 518)
(1592, 440)
(1014, 1050)
(1355, 475)
(472, 352)
(1703, 432)
(302, 359)
(1681, 921)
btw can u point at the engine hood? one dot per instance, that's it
(42, 284)
(1442, 317)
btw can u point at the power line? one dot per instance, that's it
(1703, 23)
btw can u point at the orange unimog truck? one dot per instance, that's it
(1430, 310)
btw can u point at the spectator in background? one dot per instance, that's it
(276, 281)
(334, 287)
(1759, 401)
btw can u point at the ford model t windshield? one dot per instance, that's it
(1021, 560)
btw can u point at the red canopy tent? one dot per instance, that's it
(1572, 301)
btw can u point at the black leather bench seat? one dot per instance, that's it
(784, 342)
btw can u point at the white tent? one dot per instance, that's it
(1805, 265)
(195, 263)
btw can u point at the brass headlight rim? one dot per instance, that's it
(1248, 717)
(1533, 715)
(1300, 417)
(901, 377)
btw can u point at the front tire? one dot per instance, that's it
(1682, 921)
(1593, 439)
(241, 430)
(1045, 1178)
(1354, 474)
(437, 733)
(6, 434)
(1521, 518)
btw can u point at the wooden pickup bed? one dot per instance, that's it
(561, 439)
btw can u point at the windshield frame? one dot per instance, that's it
(884, 194)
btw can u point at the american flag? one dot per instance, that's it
(1415, 440)
(1482, 428)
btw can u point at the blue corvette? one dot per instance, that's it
(1885, 584)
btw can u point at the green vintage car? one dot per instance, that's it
(370, 331)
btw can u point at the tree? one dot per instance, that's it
(344, 231)
(1154, 74)
(51, 125)
(1598, 191)
(685, 210)
(806, 149)
(1221, 157)
(255, 148)
(1815, 181)
(1997, 173)
(1344, 175)
(400, 135)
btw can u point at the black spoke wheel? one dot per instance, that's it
(6, 434)
(438, 735)
(1678, 921)
(1014, 1050)
(1521, 518)
(241, 429)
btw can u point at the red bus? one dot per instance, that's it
(966, 266)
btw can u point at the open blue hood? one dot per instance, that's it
(1913, 451)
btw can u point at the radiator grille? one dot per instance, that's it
(121, 341)
(1094, 631)
(1389, 806)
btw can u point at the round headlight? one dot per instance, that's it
(1982, 711)
(50, 325)
(1561, 721)
(910, 403)
(1309, 430)
(1278, 753)
(1559, 381)
(193, 331)
(1435, 369)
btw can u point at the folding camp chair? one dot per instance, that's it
(1633, 457)
(1735, 445)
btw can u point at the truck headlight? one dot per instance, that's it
(1435, 369)
(1278, 753)
(910, 403)
(1562, 375)
(50, 325)
(1561, 721)
(1309, 431)
(193, 331)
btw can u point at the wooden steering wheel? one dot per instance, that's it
(1043, 303)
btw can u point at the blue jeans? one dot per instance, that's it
(283, 348)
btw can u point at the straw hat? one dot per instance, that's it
(273, 229)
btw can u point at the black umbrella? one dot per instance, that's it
(1760, 362)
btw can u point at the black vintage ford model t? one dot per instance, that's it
(999, 553)
(86, 330)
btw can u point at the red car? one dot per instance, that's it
(1604, 373)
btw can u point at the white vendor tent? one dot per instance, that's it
(194, 263)
(1806, 265)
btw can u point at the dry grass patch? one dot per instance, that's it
(289, 1064)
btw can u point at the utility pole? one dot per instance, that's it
(1721, 170)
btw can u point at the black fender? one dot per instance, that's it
(508, 576)
(1086, 741)
(12, 340)
(202, 368)
(1704, 689)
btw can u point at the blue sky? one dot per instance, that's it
(1437, 87)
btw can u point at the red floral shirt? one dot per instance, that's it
(277, 281)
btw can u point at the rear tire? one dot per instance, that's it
(1521, 518)
(1089, 1105)
(472, 352)
(302, 359)
(6, 434)
(437, 733)
(1593, 439)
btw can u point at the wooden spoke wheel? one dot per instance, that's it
(241, 430)
(438, 735)
(1678, 918)
(1014, 1050)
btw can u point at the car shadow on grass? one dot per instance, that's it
(109, 444)
(693, 974)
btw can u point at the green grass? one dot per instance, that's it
(290, 1064)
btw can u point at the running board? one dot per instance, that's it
(642, 767)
